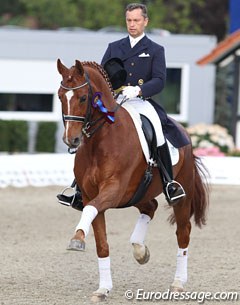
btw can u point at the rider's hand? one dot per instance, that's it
(131, 91)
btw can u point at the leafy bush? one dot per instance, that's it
(4, 134)
(13, 136)
(45, 139)
(235, 153)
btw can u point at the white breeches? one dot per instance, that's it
(141, 106)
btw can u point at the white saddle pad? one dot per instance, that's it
(150, 113)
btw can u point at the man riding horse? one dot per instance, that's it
(137, 70)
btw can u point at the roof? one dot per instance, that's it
(222, 50)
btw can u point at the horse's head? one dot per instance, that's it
(83, 109)
(74, 94)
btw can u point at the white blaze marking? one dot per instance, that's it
(69, 95)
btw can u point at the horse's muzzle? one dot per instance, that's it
(72, 142)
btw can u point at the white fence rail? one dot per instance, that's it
(57, 169)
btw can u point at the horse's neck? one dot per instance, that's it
(100, 83)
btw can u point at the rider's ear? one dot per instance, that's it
(61, 68)
(79, 66)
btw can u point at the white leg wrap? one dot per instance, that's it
(105, 278)
(181, 270)
(140, 230)
(87, 217)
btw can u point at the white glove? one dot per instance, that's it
(131, 91)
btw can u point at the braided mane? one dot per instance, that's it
(100, 69)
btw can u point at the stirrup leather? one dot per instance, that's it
(178, 196)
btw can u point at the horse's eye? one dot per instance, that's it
(83, 99)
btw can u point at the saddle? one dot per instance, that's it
(150, 135)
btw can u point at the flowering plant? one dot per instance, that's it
(210, 140)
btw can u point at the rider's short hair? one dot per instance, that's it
(132, 6)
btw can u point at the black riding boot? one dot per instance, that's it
(172, 189)
(75, 200)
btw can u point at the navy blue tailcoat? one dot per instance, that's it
(146, 67)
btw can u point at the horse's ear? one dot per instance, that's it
(61, 68)
(79, 66)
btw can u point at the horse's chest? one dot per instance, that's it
(86, 170)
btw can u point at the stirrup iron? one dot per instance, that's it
(66, 203)
(174, 198)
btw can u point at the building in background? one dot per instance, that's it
(29, 77)
(227, 53)
(226, 56)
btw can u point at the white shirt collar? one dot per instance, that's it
(134, 41)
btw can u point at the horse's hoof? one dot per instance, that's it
(177, 286)
(141, 253)
(100, 295)
(76, 245)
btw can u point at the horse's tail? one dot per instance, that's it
(200, 199)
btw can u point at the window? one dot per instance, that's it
(169, 98)
(26, 102)
(174, 96)
(30, 93)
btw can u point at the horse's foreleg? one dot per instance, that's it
(183, 237)
(103, 201)
(140, 251)
(105, 278)
(88, 215)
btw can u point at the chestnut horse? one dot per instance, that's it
(109, 165)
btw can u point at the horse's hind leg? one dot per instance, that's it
(140, 251)
(182, 216)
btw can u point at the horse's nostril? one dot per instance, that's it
(76, 141)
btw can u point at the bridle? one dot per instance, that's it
(86, 120)
(67, 118)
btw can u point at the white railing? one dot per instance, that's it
(20, 170)
(37, 169)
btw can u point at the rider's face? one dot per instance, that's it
(136, 23)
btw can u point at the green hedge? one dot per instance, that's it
(13, 136)
(45, 140)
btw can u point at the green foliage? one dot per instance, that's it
(13, 136)
(176, 16)
(234, 153)
(45, 140)
(97, 14)
(52, 14)
(13, 7)
(4, 145)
